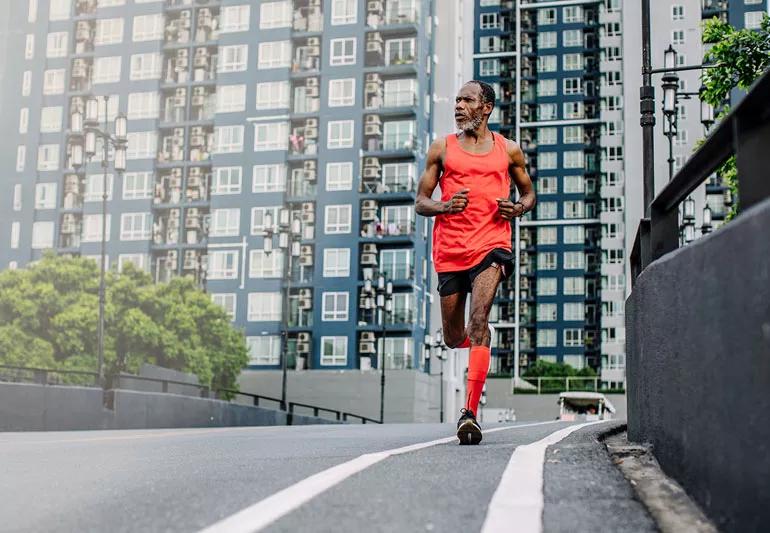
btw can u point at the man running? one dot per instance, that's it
(472, 233)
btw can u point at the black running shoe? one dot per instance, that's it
(468, 430)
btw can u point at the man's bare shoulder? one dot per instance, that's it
(437, 149)
(514, 150)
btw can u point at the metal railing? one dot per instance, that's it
(48, 376)
(565, 384)
(745, 133)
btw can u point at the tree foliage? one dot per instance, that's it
(546, 369)
(741, 57)
(49, 319)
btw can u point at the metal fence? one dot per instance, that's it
(745, 133)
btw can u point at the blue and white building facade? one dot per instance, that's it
(240, 111)
(557, 68)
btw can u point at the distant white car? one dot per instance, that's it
(585, 406)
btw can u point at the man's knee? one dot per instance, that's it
(478, 329)
(453, 339)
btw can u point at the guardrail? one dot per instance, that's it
(745, 132)
(48, 376)
(44, 376)
(549, 385)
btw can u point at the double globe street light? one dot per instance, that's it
(82, 146)
(380, 298)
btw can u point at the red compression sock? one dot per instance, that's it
(477, 375)
(466, 343)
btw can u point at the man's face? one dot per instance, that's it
(469, 109)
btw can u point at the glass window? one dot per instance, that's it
(227, 180)
(547, 160)
(547, 185)
(573, 337)
(342, 92)
(546, 87)
(23, 120)
(274, 54)
(48, 157)
(574, 209)
(546, 39)
(397, 263)
(400, 92)
(398, 135)
(264, 265)
(268, 178)
(60, 9)
(258, 215)
(228, 139)
(42, 235)
(57, 44)
(573, 61)
(271, 136)
(264, 307)
(574, 184)
(337, 219)
(574, 286)
(574, 159)
(53, 81)
(344, 11)
(145, 66)
(546, 312)
(231, 98)
(572, 14)
(233, 58)
(51, 119)
(236, 18)
(140, 261)
(546, 210)
(546, 287)
(546, 338)
(343, 52)
(489, 21)
(546, 261)
(546, 16)
(273, 95)
(148, 27)
(92, 228)
(275, 15)
(574, 311)
(135, 226)
(489, 67)
(143, 105)
(334, 351)
(335, 306)
(573, 38)
(109, 31)
(227, 301)
(225, 222)
(137, 185)
(336, 263)
(142, 145)
(340, 134)
(339, 176)
(45, 195)
(264, 350)
(546, 235)
(573, 86)
(106, 70)
(223, 264)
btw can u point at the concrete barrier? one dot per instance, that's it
(28, 407)
(698, 367)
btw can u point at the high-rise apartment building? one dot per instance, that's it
(311, 116)
(557, 70)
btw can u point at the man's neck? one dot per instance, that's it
(479, 135)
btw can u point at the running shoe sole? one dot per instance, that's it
(469, 433)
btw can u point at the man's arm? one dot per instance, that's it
(424, 205)
(518, 172)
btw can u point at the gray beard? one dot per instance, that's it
(470, 125)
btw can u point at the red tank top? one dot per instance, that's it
(462, 240)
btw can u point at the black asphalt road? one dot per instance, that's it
(184, 480)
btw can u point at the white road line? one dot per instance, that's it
(267, 511)
(518, 501)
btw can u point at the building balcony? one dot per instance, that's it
(308, 19)
(388, 232)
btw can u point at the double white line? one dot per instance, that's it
(518, 499)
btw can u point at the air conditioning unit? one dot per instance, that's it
(198, 101)
(372, 129)
(309, 165)
(190, 260)
(311, 92)
(171, 256)
(311, 133)
(181, 63)
(371, 172)
(313, 41)
(308, 175)
(305, 304)
(303, 337)
(373, 46)
(368, 214)
(306, 293)
(201, 61)
(311, 123)
(193, 212)
(306, 260)
(368, 259)
(308, 207)
(306, 250)
(197, 140)
(373, 77)
(311, 82)
(375, 36)
(366, 347)
(303, 347)
(373, 119)
(370, 248)
(367, 336)
(308, 218)
(372, 162)
(369, 204)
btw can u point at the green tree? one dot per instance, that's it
(49, 315)
(741, 57)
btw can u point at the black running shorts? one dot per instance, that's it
(462, 280)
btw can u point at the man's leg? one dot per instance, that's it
(484, 289)
(453, 319)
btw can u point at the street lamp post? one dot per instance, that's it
(289, 228)
(82, 142)
(441, 355)
(383, 304)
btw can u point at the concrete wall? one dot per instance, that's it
(698, 345)
(27, 407)
(410, 396)
(532, 407)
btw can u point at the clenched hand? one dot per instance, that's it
(508, 210)
(457, 203)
